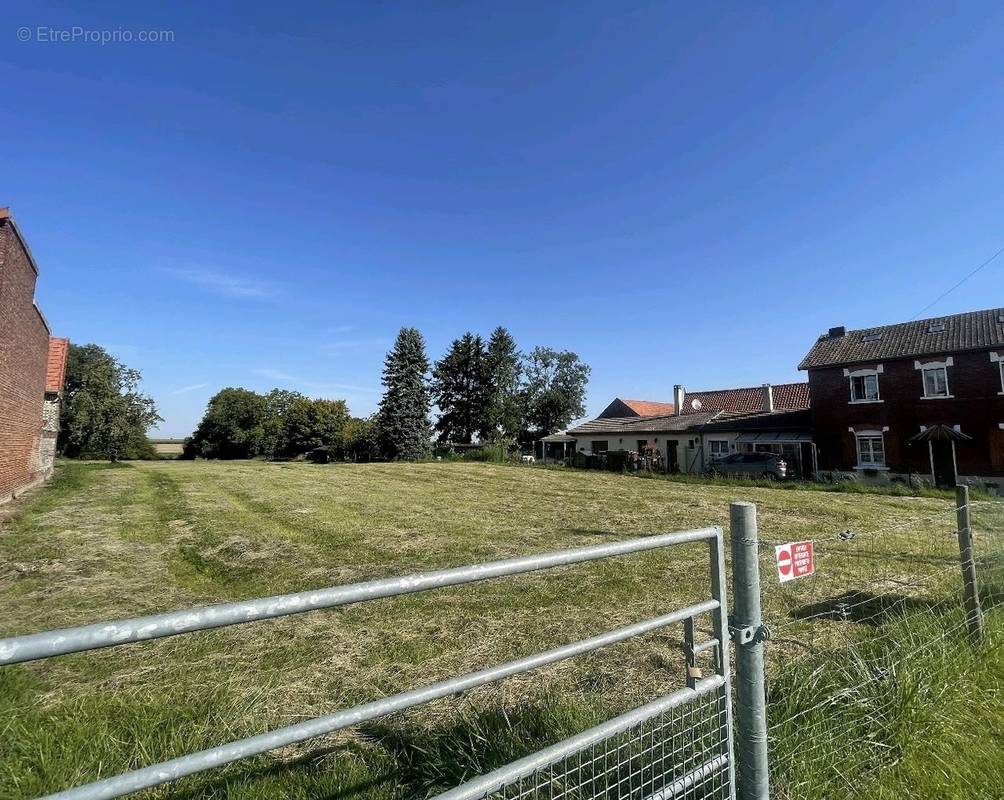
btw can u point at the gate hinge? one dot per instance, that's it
(747, 634)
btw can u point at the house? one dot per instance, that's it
(635, 408)
(705, 426)
(921, 400)
(24, 362)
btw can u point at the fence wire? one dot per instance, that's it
(680, 754)
(841, 640)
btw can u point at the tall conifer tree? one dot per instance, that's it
(458, 387)
(403, 420)
(503, 404)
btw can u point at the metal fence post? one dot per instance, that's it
(974, 614)
(723, 666)
(749, 634)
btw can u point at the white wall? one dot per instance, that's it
(690, 457)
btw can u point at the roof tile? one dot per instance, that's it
(749, 399)
(649, 408)
(55, 369)
(974, 330)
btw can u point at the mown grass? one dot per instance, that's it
(106, 542)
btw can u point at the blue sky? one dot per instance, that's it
(680, 192)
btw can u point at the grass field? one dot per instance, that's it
(105, 541)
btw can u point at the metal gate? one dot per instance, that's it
(678, 746)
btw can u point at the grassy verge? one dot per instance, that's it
(913, 713)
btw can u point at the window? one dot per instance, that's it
(864, 387)
(718, 448)
(1001, 365)
(871, 450)
(936, 381)
(599, 447)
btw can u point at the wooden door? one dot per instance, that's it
(943, 458)
(997, 450)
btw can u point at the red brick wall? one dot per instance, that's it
(976, 406)
(24, 340)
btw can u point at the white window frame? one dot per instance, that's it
(930, 366)
(719, 456)
(999, 360)
(865, 373)
(862, 464)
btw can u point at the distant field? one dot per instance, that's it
(168, 447)
(108, 541)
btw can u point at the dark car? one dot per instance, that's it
(757, 465)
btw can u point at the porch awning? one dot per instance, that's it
(773, 437)
(940, 433)
(558, 437)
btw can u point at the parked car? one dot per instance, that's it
(757, 465)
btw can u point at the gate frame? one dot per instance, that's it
(49, 644)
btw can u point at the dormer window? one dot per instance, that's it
(865, 385)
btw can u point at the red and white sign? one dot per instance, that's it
(794, 560)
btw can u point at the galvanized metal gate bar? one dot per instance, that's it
(292, 734)
(493, 781)
(17, 649)
(90, 637)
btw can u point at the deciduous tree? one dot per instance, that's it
(277, 405)
(311, 423)
(233, 426)
(555, 390)
(359, 442)
(103, 413)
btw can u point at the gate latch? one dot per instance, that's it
(747, 634)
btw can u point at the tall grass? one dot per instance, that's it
(917, 712)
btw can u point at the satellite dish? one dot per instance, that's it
(695, 404)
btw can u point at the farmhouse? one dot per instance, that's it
(922, 400)
(704, 426)
(31, 369)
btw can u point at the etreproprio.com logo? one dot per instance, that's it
(81, 35)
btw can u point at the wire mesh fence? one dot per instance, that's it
(679, 752)
(843, 643)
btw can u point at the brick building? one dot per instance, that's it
(55, 372)
(25, 377)
(921, 400)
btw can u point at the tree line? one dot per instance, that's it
(485, 392)
(240, 423)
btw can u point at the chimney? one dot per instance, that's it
(678, 396)
(768, 397)
(838, 332)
